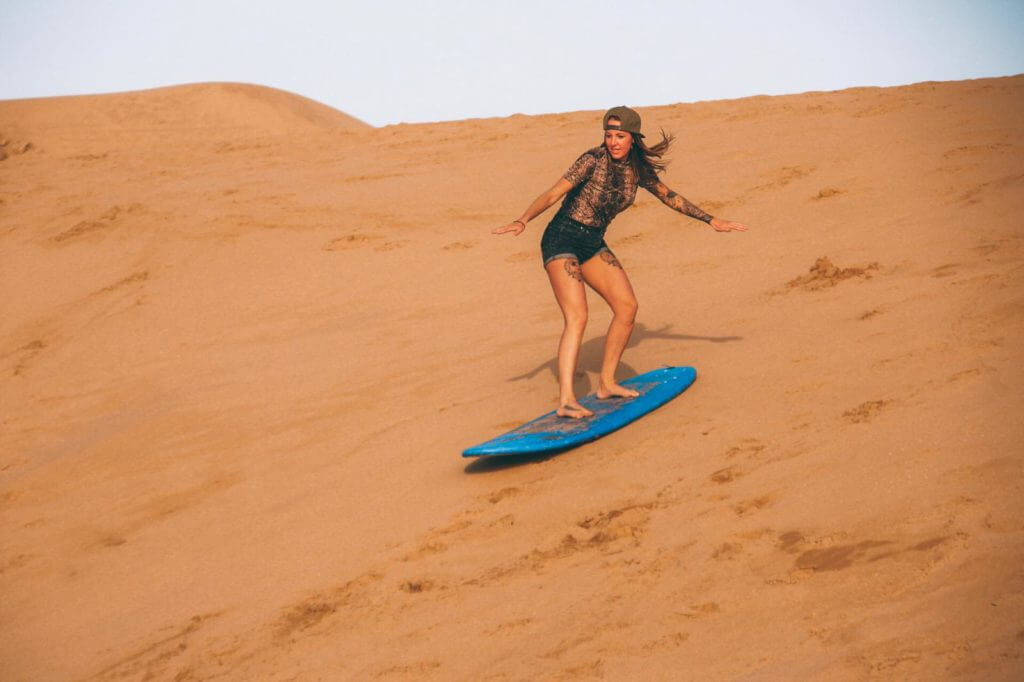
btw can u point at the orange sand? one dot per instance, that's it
(244, 339)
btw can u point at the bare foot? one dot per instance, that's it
(613, 390)
(573, 410)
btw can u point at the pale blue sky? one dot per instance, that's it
(400, 61)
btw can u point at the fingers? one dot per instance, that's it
(729, 226)
(514, 228)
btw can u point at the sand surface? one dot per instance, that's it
(244, 339)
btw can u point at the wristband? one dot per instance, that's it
(520, 222)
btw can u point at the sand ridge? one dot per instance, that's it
(244, 339)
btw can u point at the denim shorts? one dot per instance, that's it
(567, 238)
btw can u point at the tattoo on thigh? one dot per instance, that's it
(572, 268)
(609, 258)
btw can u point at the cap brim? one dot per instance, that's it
(607, 127)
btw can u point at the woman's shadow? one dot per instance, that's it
(592, 352)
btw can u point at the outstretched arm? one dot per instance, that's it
(539, 205)
(680, 203)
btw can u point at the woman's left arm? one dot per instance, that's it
(681, 204)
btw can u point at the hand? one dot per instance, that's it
(727, 226)
(515, 227)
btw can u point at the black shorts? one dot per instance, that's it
(567, 238)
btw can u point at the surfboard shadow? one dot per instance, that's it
(592, 352)
(489, 463)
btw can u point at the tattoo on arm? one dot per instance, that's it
(681, 204)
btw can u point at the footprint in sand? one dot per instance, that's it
(669, 641)
(632, 239)
(947, 270)
(500, 495)
(358, 240)
(349, 241)
(504, 522)
(752, 505)
(426, 549)
(824, 274)
(783, 177)
(839, 557)
(791, 541)
(823, 554)
(313, 610)
(417, 586)
(88, 157)
(975, 194)
(727, 551)
(726, 475)
(26, 354)
(866, 411)
(605, 532)
(459, 246)
(413, 670)
(155, 659)
(699, 610)
(827, 193)
(521, 257)
(10, 148)
(391, 245)
(972, 149)
(141, 276)
(718, 206)
(105, 222)
(509, 625)
(749, 447)
(15, 562)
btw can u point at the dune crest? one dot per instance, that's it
(209, 109)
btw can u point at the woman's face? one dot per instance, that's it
(618, 142)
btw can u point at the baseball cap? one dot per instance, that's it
(629, 120)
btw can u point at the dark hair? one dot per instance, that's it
(646, 160)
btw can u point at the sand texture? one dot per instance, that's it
(244, 339)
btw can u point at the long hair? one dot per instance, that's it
(646, 160)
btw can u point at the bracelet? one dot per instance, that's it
(520, 222)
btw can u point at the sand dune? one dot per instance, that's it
(181, 115)
(244, 338)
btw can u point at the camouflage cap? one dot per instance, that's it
(629, 120)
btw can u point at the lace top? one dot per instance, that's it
(603, 188)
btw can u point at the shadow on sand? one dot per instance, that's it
(487, 464)
(592, 352)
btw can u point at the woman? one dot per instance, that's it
(601, 184)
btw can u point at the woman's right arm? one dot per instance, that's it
(539, 205)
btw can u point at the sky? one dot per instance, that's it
(417, 62)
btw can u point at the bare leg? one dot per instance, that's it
(567, 283)
(605, 275)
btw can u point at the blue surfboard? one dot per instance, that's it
(551, 433)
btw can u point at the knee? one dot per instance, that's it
(625, 311)
(576, 319)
